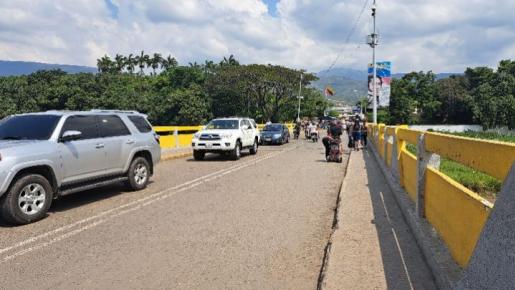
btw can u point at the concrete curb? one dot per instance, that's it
(173, 156)
(445, 271)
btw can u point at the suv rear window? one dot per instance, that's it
(141, 124)
(112, 126)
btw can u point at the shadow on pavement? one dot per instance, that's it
(404, 266)
(82, 198)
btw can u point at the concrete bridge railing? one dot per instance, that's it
(455, 212)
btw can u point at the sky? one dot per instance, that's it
(437, 35)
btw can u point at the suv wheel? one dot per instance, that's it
(27, 201)
(139, 174)
(198, 155)
(236, 152)
(254, 148)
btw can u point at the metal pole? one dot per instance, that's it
(374, 63)
(299, 97)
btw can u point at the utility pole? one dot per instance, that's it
(373, 41)
(299, 96)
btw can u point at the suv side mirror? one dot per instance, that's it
(70, 136)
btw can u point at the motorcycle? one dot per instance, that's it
(335, 152)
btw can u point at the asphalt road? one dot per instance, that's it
(258, 223)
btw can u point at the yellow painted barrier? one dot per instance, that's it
(408, 173)
(410, 136)
(169, 139)
(491, 157)
(457, 214)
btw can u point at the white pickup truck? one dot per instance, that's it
(227, 136)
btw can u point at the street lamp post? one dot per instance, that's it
(300, 97)
(373, 42)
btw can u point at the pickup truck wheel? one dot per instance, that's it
(27, 201)
(139, 173)
(198, 155)
(254, 148)
(236, 152)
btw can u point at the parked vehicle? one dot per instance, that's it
(228, 136)
(275, 134)
(47, 155)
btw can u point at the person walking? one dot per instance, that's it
(356, 131)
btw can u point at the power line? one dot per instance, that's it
(349, 35)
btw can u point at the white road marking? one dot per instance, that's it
(140, 203)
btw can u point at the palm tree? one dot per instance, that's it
(104, 64)
(155, 61)
(142, 60)
(169, 62)
(130, 63)
(121, 62)
(229, 61)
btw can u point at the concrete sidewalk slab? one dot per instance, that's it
(373, 247)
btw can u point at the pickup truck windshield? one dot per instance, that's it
(223, 124)
(28, 127)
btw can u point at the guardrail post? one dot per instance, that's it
(176, 135)
(424, 159)
(395, 156)
(385, 145)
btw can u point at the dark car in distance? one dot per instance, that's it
(275, 134)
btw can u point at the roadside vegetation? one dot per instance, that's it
(483, 184)
(504, 137)
(478, 96)
(170, 93)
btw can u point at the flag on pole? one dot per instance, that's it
(329, 91)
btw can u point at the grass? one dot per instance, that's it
(508, 137)
(485, 185)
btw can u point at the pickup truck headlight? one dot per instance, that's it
(196, 135)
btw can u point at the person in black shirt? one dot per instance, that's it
(334, 132)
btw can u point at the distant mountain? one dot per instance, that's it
(351, 84)
(15, 68)
(346, 89)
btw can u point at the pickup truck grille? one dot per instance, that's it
(210, 137)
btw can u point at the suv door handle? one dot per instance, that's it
(99, 146)
(130, 142)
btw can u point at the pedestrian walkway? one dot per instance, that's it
(373, 247)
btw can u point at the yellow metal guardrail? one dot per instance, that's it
(457, 213)
(181, 136)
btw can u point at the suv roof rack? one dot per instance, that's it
(115, 111)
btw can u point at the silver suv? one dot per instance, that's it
(47, 155)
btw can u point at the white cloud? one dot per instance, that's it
(437, 35)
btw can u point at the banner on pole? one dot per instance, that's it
(383, 81)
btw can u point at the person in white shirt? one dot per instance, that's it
(313, 129)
